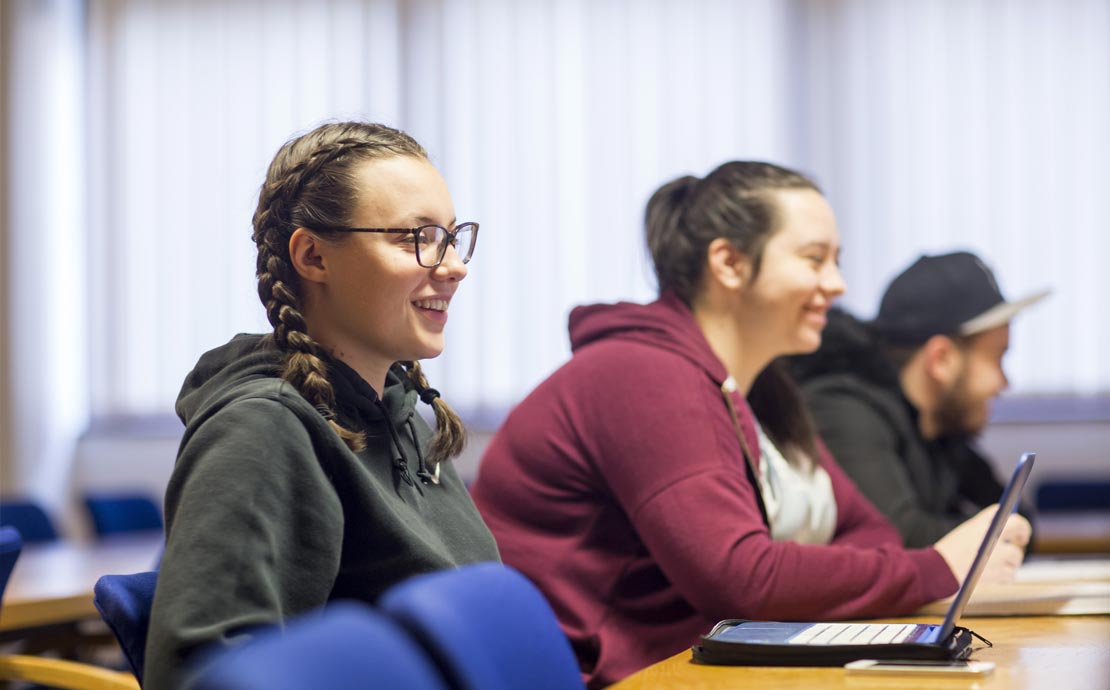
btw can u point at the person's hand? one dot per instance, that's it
(958, 547)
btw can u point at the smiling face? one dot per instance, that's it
(784, 306)
(373, 304)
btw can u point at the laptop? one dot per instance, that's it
(765, 643)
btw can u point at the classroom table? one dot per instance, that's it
(52, 583)
(1030, 653)
(1072, 533)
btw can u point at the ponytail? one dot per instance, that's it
(678, 263)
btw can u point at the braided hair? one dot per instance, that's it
(450, 436)
(312, 183)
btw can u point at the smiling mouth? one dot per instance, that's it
(432, 304)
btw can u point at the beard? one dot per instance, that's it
(959, 414)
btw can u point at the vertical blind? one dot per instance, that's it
(551, 120)
(979, 124)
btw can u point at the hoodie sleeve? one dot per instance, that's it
(668, 451)
(254, 531)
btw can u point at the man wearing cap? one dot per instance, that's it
(900, 400)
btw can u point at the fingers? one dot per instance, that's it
(1009, 555)
(1017, 531)
(1004, 562)
(984, 516)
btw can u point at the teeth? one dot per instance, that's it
(433, 304)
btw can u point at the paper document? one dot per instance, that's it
(1064, 570)
(1042, 587)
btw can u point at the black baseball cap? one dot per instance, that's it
(947, 294)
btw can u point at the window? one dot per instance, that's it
(141, 131)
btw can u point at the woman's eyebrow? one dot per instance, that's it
(428, 220)
(817, 244)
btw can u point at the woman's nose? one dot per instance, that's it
(451, 268)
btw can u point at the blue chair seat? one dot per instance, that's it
(124, 602)
(34, 525)
(116, 513)
(1074, 494)
(348, 646)
(11, 543)
(488, 627)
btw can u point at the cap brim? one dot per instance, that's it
(1000, 314)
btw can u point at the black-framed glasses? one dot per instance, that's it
(431, 241)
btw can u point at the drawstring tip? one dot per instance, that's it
(429, 477)
(402, 469)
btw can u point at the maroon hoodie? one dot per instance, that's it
(619, 488)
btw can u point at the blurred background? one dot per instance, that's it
(135, 134)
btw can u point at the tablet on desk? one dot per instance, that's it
(772, 643)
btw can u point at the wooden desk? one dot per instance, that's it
(1072, 533)
(53, 583)
(1071, 652)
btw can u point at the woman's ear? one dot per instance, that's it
(728, 266)
(307, 257)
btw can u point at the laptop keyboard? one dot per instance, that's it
(854, 633)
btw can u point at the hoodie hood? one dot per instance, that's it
(245, 359)
(666, 323)
(228, 371)
(251, 364)
(848, 346)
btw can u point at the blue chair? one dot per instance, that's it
(488, 627)
(115, 513)
(10, 546)
(1074, 494)
(124, 602)
(29, 518)
(347, 646)
(45, 671)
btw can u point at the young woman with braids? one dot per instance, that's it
(305, 474)
(668, 475)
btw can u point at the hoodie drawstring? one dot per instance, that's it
(423, 473)
(400, 462)
(751, 469)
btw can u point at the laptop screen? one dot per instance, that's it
(1006, 506)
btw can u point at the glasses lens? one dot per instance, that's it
(464, 241)
(429, 245)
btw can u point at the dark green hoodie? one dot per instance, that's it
(270, 515)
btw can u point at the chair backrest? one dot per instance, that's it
(488, 627)
(1073, 494)
(124, 602)
(347, 646)
(115, 513)
(29, 518)
(10, 546)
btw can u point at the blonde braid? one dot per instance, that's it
(450, 438)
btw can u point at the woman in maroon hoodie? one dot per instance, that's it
(668, 476)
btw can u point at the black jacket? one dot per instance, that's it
(270, 515)
(925, 487)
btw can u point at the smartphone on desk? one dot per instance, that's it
(947, 669)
